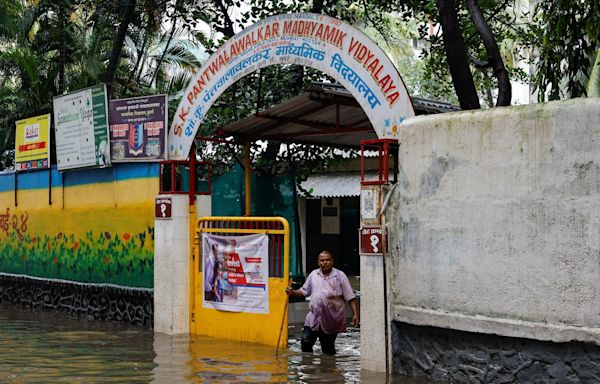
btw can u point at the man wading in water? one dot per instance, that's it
(329, 290)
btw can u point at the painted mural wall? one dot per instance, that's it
(99, 227)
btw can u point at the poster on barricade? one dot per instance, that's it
(32, 143)
(236, 273)
(81, 127)
(138, 128)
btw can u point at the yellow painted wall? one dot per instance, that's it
(98, 229)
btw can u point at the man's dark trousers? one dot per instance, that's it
(309, 338)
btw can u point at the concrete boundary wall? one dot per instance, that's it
(495, 224)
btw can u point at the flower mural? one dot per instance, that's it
(97, 257)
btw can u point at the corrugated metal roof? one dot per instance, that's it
(334, 184)
(326, 114)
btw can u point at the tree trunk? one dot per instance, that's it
(115, 55)
(493, 53)
(458, 63)
(164, 52)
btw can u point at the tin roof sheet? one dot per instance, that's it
(333, 184)
(325, 114)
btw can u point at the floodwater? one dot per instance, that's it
(37, 346)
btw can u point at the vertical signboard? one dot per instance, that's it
(81, 125)
(138, 128)
(32, 143)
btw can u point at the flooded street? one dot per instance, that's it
(57, 348)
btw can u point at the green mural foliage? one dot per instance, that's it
(99, 257)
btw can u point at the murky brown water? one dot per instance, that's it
(55, 348)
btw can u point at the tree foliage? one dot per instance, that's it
(147, 46)
(52, 46)
(565, 38)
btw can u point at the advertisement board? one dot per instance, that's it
(236, 273)
(81, 126)
(138, 128)
(32, 143)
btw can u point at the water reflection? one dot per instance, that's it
(55, 348)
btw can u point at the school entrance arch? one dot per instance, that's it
(317, 41)
(334, 48)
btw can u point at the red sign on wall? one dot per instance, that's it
(371, 241)
(162, 207)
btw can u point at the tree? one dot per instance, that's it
(565, 38)
(54, 46)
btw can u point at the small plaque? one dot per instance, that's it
(162, 207)
(369, 205)
(371, 241)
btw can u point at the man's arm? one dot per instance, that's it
(294, 292)
(305, 290)
(355, 320)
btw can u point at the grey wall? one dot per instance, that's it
(495, 224)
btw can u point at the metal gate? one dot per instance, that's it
(270, 328)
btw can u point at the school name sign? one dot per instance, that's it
(307, 39)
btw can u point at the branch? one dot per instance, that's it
(227, 30)
(478, 63)
(171, 33)
(493, 53)
(378, 28)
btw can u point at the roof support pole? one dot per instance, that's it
(247, 177)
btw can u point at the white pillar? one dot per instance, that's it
(372, 327)
(372, 288)
(171, 268)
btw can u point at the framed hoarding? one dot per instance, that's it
(81, 126)
(138, 128)
(236, 273)
(32, 143)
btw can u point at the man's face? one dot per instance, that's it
(325, 262)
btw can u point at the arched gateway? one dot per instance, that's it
(308, 39)
(358, 64)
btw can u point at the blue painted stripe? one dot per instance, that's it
(39, 179)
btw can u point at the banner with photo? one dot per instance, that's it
(138, 128)
(236, 273)
(32, 143)
(81, 126)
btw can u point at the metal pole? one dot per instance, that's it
(247, 176)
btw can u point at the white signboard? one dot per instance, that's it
(236, 273)
(80, 123)
(308, 39)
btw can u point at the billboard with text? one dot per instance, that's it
(32, 143)
(138, 128)
(81, 126)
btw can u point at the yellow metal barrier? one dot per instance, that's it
(268, 329)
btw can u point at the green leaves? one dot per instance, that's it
(565, 38)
